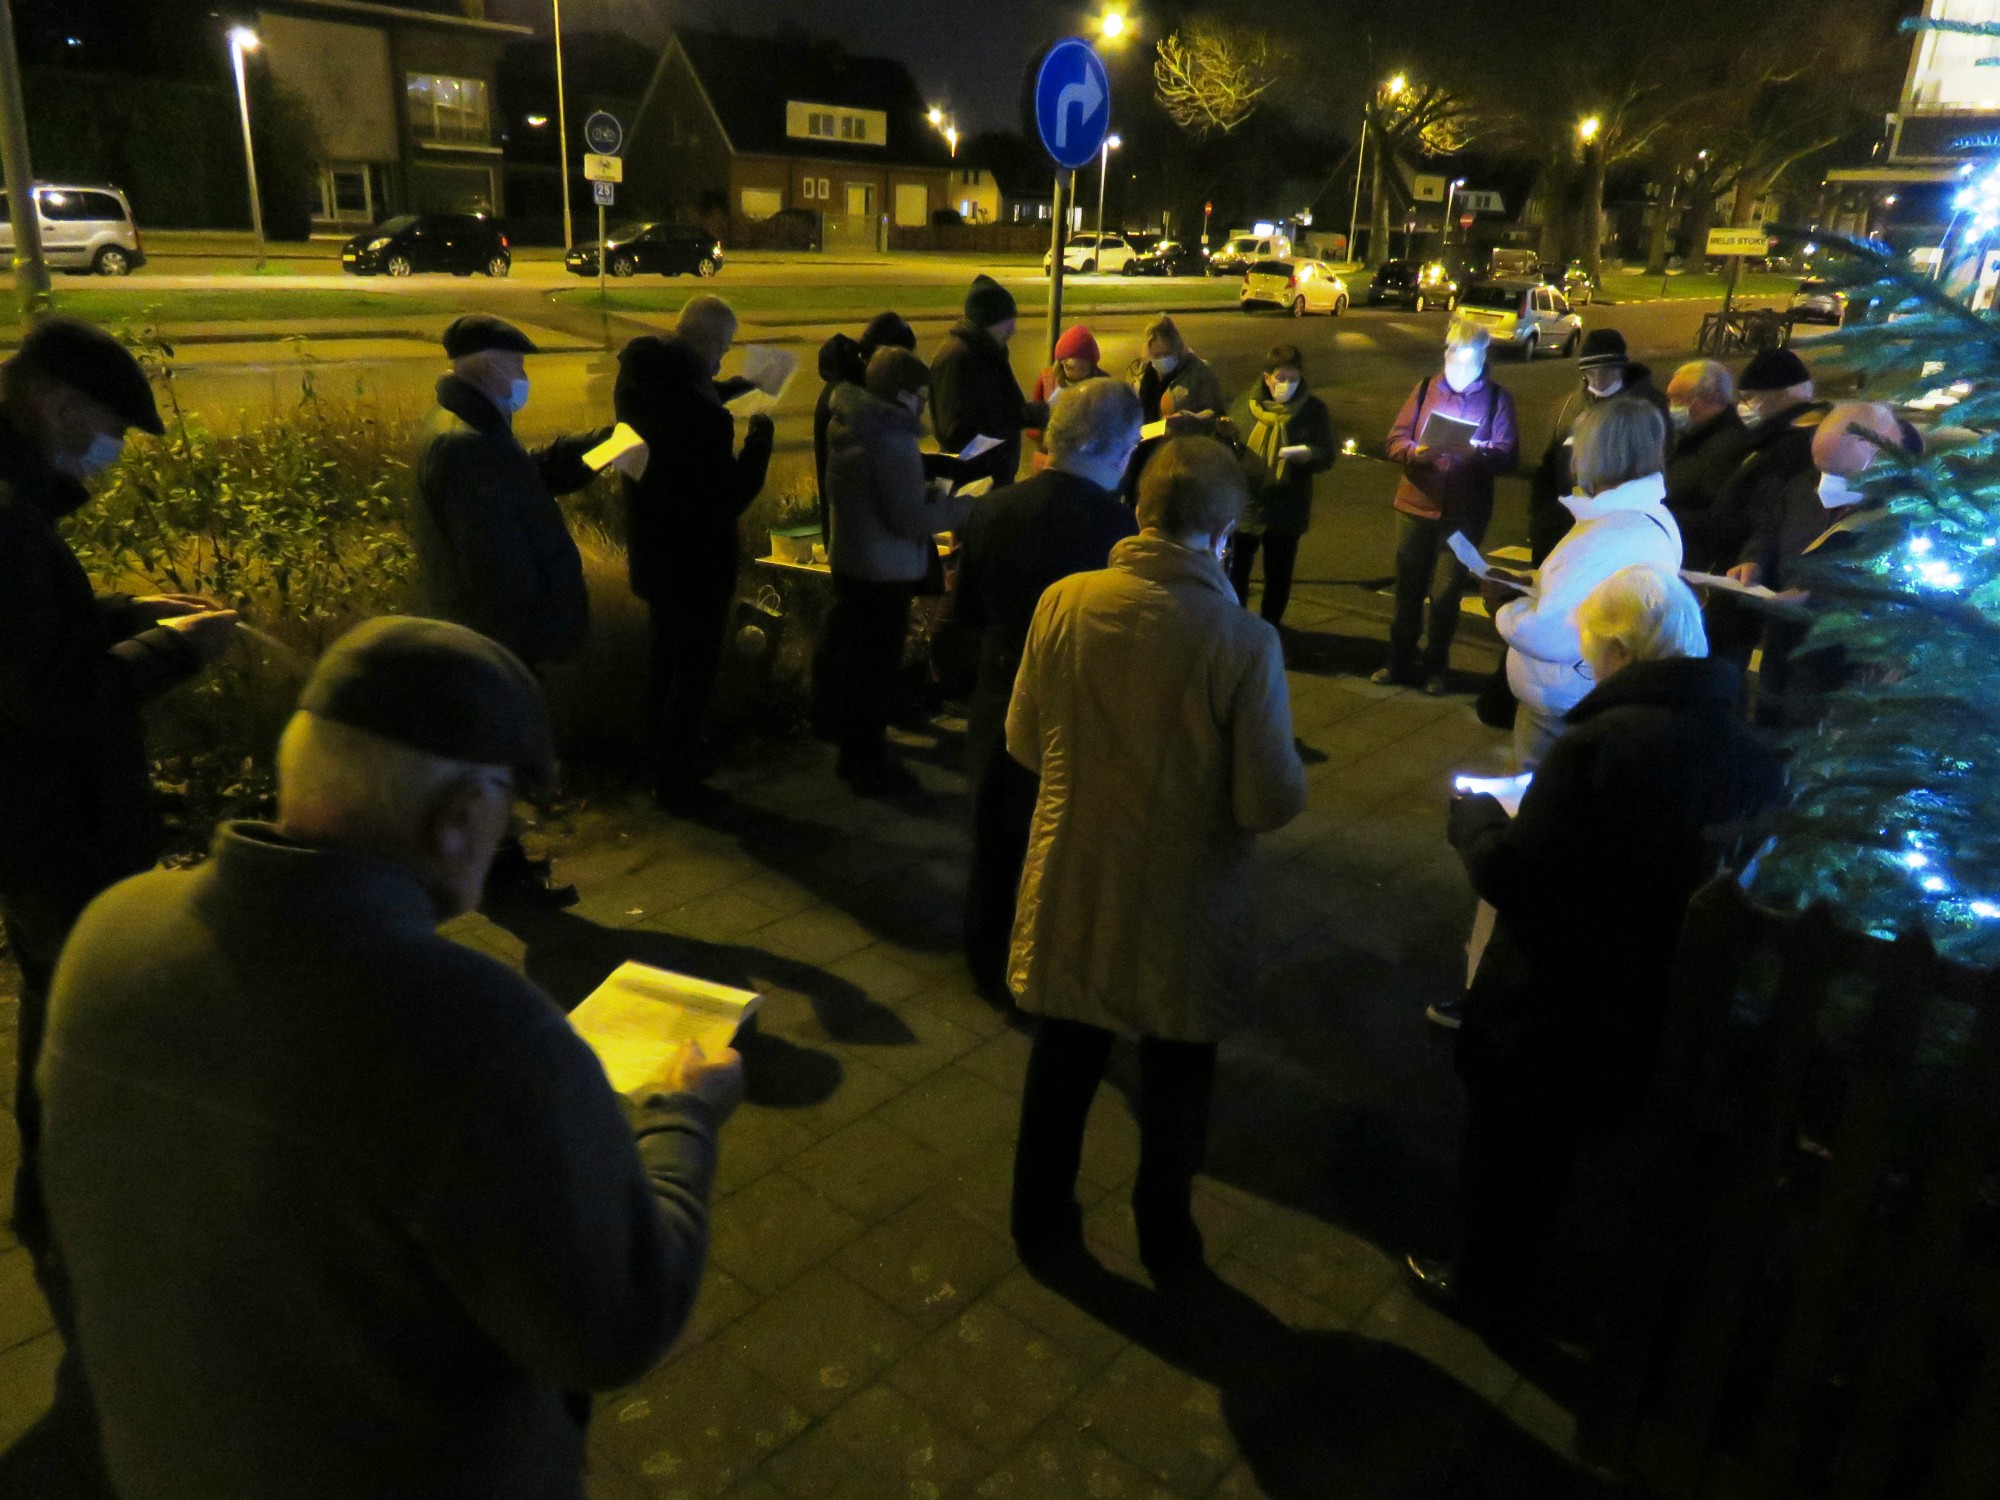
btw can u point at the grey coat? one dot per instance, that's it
(883, 513)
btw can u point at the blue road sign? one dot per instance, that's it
(1072, 102)
(603, 133)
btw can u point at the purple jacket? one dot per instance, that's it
(1452, 487)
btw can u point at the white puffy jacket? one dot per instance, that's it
(1621, 527)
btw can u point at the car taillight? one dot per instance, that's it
(503, 242)
(1291, 281)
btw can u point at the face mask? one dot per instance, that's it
(1282, 390)
(1461, 374)
(100, 455)
(1835, 491)
(1747, 412)
(517, 396)
(1601, 392)
(1681, 416)
(1166, 364)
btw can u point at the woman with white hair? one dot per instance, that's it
(1621, 521)
(1624, 820)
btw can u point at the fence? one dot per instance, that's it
(1809, 1302)
(977, 239)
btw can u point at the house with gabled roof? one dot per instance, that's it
(754, 127)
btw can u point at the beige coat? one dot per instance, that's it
(1155, 709)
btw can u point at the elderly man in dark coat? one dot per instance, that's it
(681, 525)
(1706, 446)
(974, 391)
(349, 1208)
(75, 787)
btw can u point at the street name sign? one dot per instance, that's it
(1072, 102)
(603, 134)
(597, 167)
(1738, 242)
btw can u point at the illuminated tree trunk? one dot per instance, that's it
(1592, 217)
(1660, 241)
(1701, 215)
(1378, 210)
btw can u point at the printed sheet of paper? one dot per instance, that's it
(769, 367)
(1506, 790)
(1477, 566)
(624, 449)
(1153, 430)
(636, 1019)
(1443, 434)
(1293, 453)
(979, 445)
(1727, 584)
(974, 487)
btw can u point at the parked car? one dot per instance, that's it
(1090, 252)
(1237, 253)
(84, 228)
(1526, 316)
(1299, 286)
(1417, 285)
(665, 249)
(1819, 302)
(408, 243)
(1503, 264)
(1167, 258)
(1577, 285)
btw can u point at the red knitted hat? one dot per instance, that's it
(1077, 343)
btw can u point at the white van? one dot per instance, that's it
(84, 228)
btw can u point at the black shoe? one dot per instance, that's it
(1050, 1241)
(1390, 677)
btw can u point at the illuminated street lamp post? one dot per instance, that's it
(562, 136)
(1111, 144)
(241, 40)
(1391, 87)
(1451, 191)
(945, 125)
(31, 272)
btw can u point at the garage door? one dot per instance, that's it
(913, 203)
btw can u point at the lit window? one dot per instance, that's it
(448, 111)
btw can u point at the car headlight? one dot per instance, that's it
(379, 244)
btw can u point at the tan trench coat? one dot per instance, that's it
(1155, 709)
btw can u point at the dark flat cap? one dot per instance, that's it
(1602, 346)
(1773, 370)
(91, 361)
(439, 688)
(475, 333)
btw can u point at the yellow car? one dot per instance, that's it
(1298, 286)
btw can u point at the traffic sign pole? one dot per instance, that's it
(1056, 268)
(1073, 116)
(600, 250)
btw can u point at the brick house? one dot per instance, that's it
(747, 128)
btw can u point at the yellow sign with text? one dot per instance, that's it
(598, 168)
(1738, 242)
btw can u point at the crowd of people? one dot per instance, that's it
(325, 1204)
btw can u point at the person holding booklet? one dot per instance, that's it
(1455, 432)
(1286, 440)
(1631, 811)
(348, 1207)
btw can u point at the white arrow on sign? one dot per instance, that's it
(1084, 93)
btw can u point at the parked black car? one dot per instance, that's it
(1166, 258)
(667, 249)
(458, 243)
(1415, 284)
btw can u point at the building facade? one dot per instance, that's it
(404, 99)
(745, 130)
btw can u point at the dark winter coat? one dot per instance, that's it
(76, 808)
(348, 1208)
(1454, 488)
(1281, 505)
(1622, 823)
(974, 393)
(1776, 452)
(842, 361)
(493, 550)
(1700, 464)
(1018, 541)
(1791, 520)
(680, 519)
(883, 513)
(1549, 519)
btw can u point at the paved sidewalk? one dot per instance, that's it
(866, 1332)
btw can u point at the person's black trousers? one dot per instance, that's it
(1514, 1168)
(1003, 810)
(867, 628)
(1281, 556)
(1065, 1068)
(690, 623)
(1425, 569)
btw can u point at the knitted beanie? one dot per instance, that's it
(1077, 342)
(988, 302)
(896, 372)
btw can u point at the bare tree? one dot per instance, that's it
(1418, 120)
(1210, 78)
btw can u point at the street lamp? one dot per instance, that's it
(936, 117)
(241, 40)
(1111, 144)
(562, 134)
(1114, 25)
(945, 124)
(1587, 128)
(1451, 190)
(951, 139)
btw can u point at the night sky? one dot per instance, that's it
(963, 51)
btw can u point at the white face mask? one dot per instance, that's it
(1166, 364)
(1461, 372)
(1282, 390)
(100, 455)
(1836, 490)
(1682, 418)
(1747, 412)
(516, 397)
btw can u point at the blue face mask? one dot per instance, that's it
(100, 455)
(517, 396)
